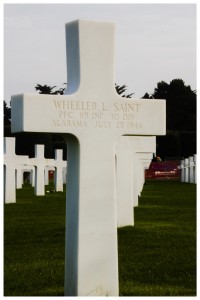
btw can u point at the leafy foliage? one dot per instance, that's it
(147, 96)
(180, 139)
(121, 90)
(46, 89)
(181, 104)
(6, 114)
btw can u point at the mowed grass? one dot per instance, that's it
(34, 234)
(157, 257)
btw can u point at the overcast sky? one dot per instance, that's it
(154, 42)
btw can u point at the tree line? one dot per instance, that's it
(180, 139)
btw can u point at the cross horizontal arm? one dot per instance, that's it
(74, 115)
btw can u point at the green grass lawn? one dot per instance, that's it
(157, 257)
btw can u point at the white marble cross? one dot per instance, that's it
(91, 117)
(186, 171)
(19, 176)
(144, 160)
(181, 167)
(125, 184)
(195, 168)
(143, 149)
(59, 164)
(132, 153)
(40, 162)
(191, 169)
(11, 161)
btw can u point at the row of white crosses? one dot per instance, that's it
(133, 156)
(188, 169)
(16, 165)
(91, 117)
(131, 153)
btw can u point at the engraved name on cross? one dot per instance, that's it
(91, 116)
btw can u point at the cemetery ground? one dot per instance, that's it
(157, 257)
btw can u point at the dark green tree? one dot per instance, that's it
(161, 91)
(7, 113)
(147, 96)
(121, 91)
(180, 104)
(46, 89)
(180, 139)
(6, 119)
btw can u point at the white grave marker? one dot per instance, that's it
(11, 161)
(144, 160)
(143, 148)
(65, 174)
(182, 170)
(124, 182)
(191, 169)
(186, 171)
(40, 162)
(59, 164)
(195, 168)
(92, 116)
(131, 158)
(19, 176)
